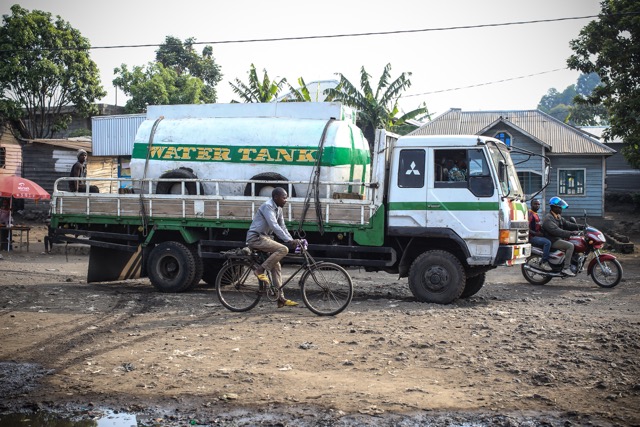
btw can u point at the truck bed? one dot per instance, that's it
(349, 209)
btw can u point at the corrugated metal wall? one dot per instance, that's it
(114, 135)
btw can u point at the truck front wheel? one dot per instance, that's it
(171, 267)
(473, 285)
(437, 276)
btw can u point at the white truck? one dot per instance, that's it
(200, 172)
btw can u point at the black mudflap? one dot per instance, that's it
(108, 265)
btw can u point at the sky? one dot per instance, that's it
(438, 60)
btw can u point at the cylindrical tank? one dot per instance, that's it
(243, 148)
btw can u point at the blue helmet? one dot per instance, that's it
(557, 201)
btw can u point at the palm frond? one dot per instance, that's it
(398, 86)
(384, 79)
(364, 82)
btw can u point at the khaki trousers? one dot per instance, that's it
(276, 250)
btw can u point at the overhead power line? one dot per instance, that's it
(333, 36)
(485, 84)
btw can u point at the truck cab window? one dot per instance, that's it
(411, 169)
(451, 168)
(480, 181)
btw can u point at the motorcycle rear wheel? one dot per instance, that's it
(531, 276)
(604, 280)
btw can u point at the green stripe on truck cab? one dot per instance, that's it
(443, 206)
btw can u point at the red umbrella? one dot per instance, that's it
(21, 188)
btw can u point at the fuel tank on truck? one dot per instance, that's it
(268, 141)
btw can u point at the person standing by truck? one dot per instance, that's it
(79, 170)
(269, 220)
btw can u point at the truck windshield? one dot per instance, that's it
(509, 182)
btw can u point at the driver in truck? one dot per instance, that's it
(268, 221)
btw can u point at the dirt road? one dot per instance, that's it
(513, 353)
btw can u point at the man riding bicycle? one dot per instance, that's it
(269, 220)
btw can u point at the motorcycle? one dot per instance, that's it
(605, 270)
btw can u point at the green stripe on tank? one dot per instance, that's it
(304, 156)
(443, 206)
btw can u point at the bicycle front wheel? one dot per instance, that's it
(237, 287)
(326, 288)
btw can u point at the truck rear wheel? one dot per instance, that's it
(198, 269)
(437, 276)
(265, 189)
(473, 285)
(168, 187)
(171, 267)
(211, 270)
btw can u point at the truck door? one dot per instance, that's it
(461, 196)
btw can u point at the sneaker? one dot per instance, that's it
(286, 303)
(568, 272)
(544, 265)
(262, 277)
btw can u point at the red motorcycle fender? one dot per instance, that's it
(603, 257)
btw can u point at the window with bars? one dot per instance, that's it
(3, 157)
(571, 182)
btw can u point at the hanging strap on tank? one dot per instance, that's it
(143, 211)
(314, 186)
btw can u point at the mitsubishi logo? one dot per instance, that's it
(413, 169)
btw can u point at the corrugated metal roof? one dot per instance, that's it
(558, 137)
(71, 143)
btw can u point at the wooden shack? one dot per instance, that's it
(46, 160)
(10, 152)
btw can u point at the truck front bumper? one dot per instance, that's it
(513, 254)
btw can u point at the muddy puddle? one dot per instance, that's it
(50, 419)
(17, 379)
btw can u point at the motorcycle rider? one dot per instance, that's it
(536, 236)
(556, 229)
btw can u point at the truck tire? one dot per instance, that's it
(174, 187)
(211, 269)
(473, 285)
(198, 270)
(437, 276)
(171, 267)
(265, 189)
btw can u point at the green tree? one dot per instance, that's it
(567, 107)
(610, 47)
(257, 91)
(377, 109)
(45, 66)
(179, 76)
(183, 59)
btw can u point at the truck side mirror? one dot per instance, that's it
(502, 171)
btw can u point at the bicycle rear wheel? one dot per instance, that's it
(237, 287)
(326, 288)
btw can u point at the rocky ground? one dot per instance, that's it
(514, 354)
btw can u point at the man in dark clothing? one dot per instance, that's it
(536, 236)
(79, 170)
(557, 228)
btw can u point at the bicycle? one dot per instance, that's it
(326, 287)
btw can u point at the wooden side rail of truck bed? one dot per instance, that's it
(341, 208)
